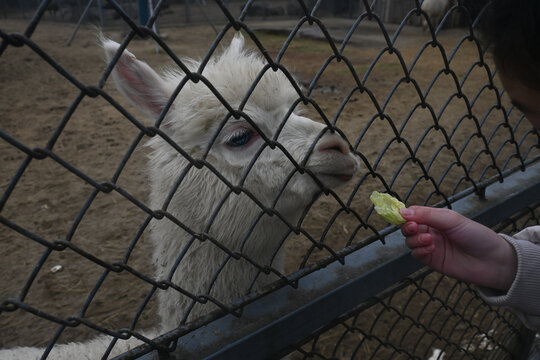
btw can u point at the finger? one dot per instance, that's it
(422, 228)
(423, 254)
(410, 228)
(418, 241)
(433, 217)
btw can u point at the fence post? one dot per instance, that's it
(81, 19)
(144, 13)
(188, 17)
(527, 354)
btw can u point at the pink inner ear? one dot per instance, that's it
(125, 72)
(154, 105)
(139, 92)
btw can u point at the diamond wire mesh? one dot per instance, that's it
(429, 133)
(426, 316)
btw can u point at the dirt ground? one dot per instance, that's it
(47, 200)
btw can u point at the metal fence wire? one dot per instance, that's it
(422, 110)
(424, 316)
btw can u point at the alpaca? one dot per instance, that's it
(195, 120)
(435, 10)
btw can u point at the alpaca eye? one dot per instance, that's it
(240, 138)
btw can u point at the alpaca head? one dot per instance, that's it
(234, 144)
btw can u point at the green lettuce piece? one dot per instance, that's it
(388, 207)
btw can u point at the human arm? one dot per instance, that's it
(505, 268)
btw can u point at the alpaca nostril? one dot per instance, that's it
(333, 144)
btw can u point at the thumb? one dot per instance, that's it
(434, 217)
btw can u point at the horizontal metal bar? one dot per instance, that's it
(502, 200)
(269, 325)
(294, 313)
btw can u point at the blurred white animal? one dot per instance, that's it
(435, 10)
(194, 121)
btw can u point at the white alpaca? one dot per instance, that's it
(435, 10)
(192, 121)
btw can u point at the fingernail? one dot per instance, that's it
(406, 212)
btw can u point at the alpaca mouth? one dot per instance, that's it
(344, 177)
(342, 174)
(341, 177)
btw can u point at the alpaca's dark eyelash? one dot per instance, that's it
(239, 138)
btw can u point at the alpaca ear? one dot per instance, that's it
(137, 81)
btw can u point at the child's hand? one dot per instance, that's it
(459, 247)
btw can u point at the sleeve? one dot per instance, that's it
(522, 297)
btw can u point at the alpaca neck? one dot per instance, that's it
(220, 266)
(203, 267)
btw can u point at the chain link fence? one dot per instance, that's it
(422, 110)
(425, 316)
(439, 319)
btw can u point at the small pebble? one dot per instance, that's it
(56, 268)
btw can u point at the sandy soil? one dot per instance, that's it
(48, 199)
